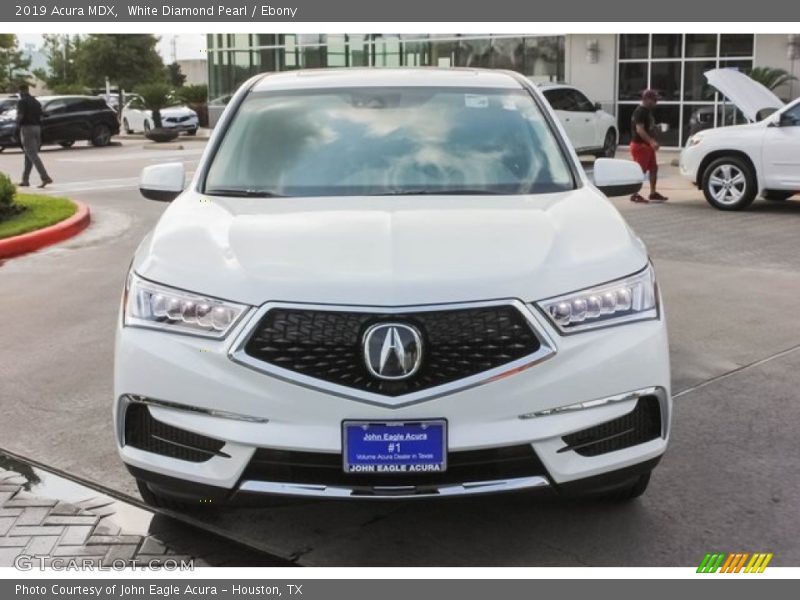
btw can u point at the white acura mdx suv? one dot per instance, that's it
(390, 284)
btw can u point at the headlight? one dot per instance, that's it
(633, 298)
(694, 140)
(155, 306)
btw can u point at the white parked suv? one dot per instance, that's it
(135, 117)
(733, 165)
(590, 129)
(390, 283)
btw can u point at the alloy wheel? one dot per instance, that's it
(727, 184)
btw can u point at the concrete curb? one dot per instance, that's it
(28, 242)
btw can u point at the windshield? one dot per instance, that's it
(385, 141)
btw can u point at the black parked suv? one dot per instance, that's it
(67, 119)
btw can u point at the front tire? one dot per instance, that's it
(126, 126)
(66, 143)
(192, 131)
(729, 183)
(146, 126)
(101, 135)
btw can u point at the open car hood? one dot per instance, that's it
(748, 95)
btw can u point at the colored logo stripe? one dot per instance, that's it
(758, 563)
(734, 562)
(711, 562)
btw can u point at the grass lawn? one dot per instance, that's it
(42, 211)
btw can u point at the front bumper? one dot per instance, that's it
(689, 163)
(190, 125)
(192, 384)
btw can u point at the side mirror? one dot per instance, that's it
(162, 182)
(597, 106)
(616, 177)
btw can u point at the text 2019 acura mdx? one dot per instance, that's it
(390, 284)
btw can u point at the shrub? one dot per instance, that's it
(71, 89)
(8, 193)
(196, 98)
(193, 94)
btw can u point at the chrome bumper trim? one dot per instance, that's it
(659, 392)
(126, 399)
(393, 492)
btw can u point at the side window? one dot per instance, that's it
(55, 107)
(80, 105)
(136, 104)
(557, 99)
(793, 114)
(582, 103)
(570, 101)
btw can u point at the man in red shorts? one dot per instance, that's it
(644, 144)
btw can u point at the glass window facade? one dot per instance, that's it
(674, 64)
(233, 58)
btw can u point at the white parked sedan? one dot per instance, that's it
(733, 165)
(590, 129)
(390, 283)
(135, 117)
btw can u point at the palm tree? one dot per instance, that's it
(771, 78)
(155, 97)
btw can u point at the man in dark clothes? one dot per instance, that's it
(644, 144)
(29, 122)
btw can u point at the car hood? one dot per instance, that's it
(389, 251)
(748, 95)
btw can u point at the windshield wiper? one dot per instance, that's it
(243, 193)
(442, 192)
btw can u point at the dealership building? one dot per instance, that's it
(611, 69)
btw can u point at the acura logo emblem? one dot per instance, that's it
(392, 351)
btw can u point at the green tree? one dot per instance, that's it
(175, 76)
(771, 78)
(193, 94)
(128, 60)
(196, 98)
(62, 54)
(13, 63)
(155, 97)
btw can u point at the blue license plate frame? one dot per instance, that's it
(394, 447)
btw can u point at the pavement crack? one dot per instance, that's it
(737, 370)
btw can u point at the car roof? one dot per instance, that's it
(403, 77)
(556, 86)
(65, 96)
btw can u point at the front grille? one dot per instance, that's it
(144, 432)
(640, 425)
(327, 345)
(326, 469)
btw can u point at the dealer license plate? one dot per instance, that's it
(395, 446)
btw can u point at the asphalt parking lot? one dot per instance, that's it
(729, 482)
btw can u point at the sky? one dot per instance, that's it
(186, 45)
